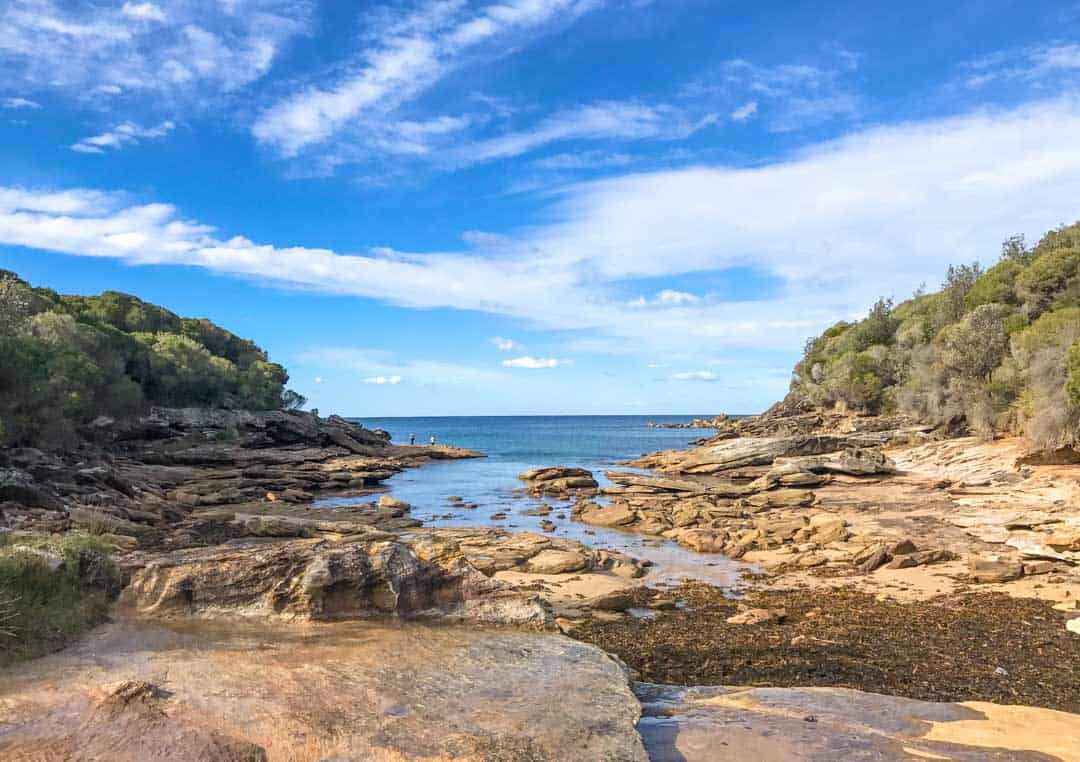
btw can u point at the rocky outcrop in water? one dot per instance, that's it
(558, 481)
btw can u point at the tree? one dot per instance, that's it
(291, 400)
(976, 345)
(14, 303)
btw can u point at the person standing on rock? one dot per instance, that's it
(432, 440)
(412, 439)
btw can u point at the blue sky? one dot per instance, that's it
(530, 206)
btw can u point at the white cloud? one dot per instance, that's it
(584, 160)
(143, 11)
(407, 57)
(788, 96)
(1031, 65)
(694, 375)
(667, 298)
(840, 223)
(380, 380)
(18, 103)
(122, 135)
(604, 120)
(196, 47)
(504, 345)
(375, 364)
(744, 112)
(534, 363)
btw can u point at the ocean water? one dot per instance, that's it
(514, 444)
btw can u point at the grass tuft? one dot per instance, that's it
(51, 589)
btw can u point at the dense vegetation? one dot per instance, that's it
(69, 359)
(994, 350)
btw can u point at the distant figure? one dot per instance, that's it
(432, 440)
(412, 439)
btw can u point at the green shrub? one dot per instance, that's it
(41, 609)
(69, 359)
(994, 350)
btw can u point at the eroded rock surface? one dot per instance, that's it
(135, 691)
(826, 724)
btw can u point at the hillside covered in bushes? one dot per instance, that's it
(68, 360)
(995, 350)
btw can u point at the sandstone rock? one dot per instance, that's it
(783, 529)
(738, 453)
(828, 528)
(548, 526)
(995, 568)
(870, 558)
(558, 480)
(272, 526)
(685, 514)
(616, 600)
(703, 540)
(781, 498)
(1033, 568)
(654, 483)
(857, 461)
(383, 692)
(1066, 538)
(394, 504)
(758, 616)
(305, 579)
(556, 562)
(614, 515)
(541, 510)
(902, 547)
(811, 560)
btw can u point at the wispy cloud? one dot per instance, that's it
(18, 103)
(504, 345)
(406, 57)
(744, 112)
(381, 380)
(584, 160)
(535, 363)
(604, 120)
(694, 375)
(667, 298)
(380, 367)
(1031, 66)
(122, 135)
(789, 96)
(179, 48)
(837, 225)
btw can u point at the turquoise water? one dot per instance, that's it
(518, 443)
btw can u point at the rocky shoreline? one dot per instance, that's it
(213, 519)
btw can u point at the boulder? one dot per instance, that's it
(614, 515)
(389, 503)
(871, 557)
(553, 561)
(995, 568)
(703, 540)
(855, 461)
